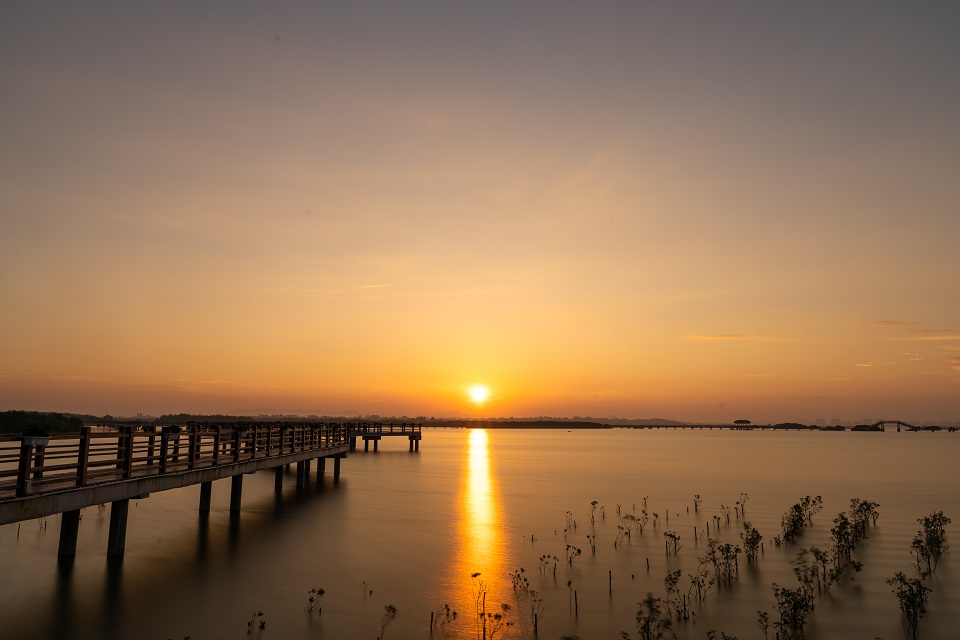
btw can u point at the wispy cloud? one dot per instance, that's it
(734, 336)
(892, 324)
(373, 286)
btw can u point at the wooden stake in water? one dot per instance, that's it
(610, 574)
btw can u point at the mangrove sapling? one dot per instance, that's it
(807, 571)
(724, 559)
(536, 610)
(572, 552)
(912, 595)
(570, 522)
(256, 620)
(725, 512)
(930, 543)
(752, 540)
(676, 602)
(593, 509)
(712, 635)
(700, 581)
(496, 623)
(763, 621)
(313, 601)
(389, 615)
(794, 607)
(811, 507)
(444, 615)
(479, 595)
(592, 539)
(621, 533)
(672, 542)
(545, 562)
(653, 623)
(862, 513)
(696, 502)
(519, 580)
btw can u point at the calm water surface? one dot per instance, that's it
(409, 529)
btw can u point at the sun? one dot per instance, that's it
(478, 393)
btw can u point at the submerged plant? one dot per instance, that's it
(389, 615)
(536, 610)
(313, 601)
(653, 623)
(519, 580)
(444, 615)
(930, 542)
(545, 562)
(794, 607)
(912, 596)
(256, 620)
(752, 540)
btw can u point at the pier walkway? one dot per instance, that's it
(64, 473)
(373, 431)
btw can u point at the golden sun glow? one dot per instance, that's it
(478, 393)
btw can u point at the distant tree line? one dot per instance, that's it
(17, 421)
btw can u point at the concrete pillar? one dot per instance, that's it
(236, 489)
(206, 488)
(69, 531)
(117, 537)
(278, 478)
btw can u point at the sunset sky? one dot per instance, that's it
(693, 210)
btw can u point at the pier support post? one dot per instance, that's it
(336, 467)
(366, 445)
(278, 478)
(69, 532)
(376, 444)
(236, 489)
(321, 466)
(206, 488)
(117, 537)
(300, 474)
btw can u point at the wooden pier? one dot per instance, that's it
(64, 473)
(373, 432)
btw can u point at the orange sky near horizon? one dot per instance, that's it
(702, 212)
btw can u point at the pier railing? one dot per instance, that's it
(30, 466)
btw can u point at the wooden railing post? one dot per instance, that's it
(24, 477)
(151, 447)
(164, 450)
(126, 438)
(192, 461)
(216, 446)
(83, 456)
(38, 462)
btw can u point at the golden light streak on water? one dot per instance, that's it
(481, 531)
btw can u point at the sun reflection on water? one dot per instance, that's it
(482, 548)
